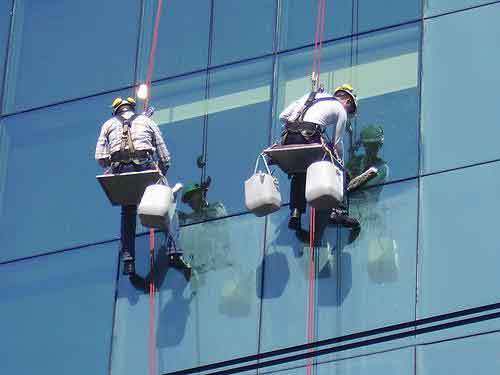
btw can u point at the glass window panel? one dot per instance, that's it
(47, 179)
(182, 38)
(180, 109)
(458, 241)
(374, 15)
(298, 21)
(242, 29)
(238, 128)
(89, 51)
(435, 7)
(195, 320)
(395, 362)
(447, 73)
(57, 312)
(377, 265)
(472, 355)
(5, 16)
(388, 101)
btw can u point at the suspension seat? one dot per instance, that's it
(294, 158)
(127, 188)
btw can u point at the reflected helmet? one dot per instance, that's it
(347, 88)
(189, 191)
(373, 134)
(118, 102)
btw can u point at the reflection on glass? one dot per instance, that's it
(75, 63)
(371, 15)
(235, 35)
(238, 127)
(435, 7)
(182, 38)
(298, 20)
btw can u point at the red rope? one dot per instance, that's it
(152, 307)
(152, 52)
(152, 287)
(312, 288)
(318, 37)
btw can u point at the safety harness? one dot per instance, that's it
(128, 153)
(297, 125)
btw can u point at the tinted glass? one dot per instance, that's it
(195, 320)
(434, 7)
(298, 21)
(453, 245)
(374, 14)
(57, 312)
(47, 179)
(96, 60)
(242, 29)
(5, 16)
(182, 44)
(238, 128)
(466, 356)
(448, 73)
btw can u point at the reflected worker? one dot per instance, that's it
(130, 142)
(195, 196)
(305, 121)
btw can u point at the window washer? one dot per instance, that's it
(305, 121)
(131, 142)
(195, 197)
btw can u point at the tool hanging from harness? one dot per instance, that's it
(311, 131)
(128, 154)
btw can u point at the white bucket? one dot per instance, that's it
(262, 195)
(154, 207)
(324, 185)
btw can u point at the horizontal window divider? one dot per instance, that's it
(359, 335)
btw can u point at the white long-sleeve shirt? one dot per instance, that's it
(325, 112)
(146, 136)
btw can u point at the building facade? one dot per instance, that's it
(425, 73)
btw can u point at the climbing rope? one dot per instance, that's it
(152, 286)
(316, 71)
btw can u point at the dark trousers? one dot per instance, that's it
(298, 180)
(129, 213)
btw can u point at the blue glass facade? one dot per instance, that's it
(224, 70)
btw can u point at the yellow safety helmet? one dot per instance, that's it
(347, 88)
(118, 102)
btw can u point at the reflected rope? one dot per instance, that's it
(152, 287)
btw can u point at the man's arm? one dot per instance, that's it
(102, 147)
(288, 111)
(161, 149)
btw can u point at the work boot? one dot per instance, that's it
(294, 221)
(176, 261)
(340, 217)
(128, 267)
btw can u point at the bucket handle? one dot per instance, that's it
(261, 156)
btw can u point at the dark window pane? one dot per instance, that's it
(448, 73)
(57, 312)
(182, 38)
(375, 14)
(242, 29)
(5, 16)
(47, 179)
(298, 21)
(238, 128)
(87, 47)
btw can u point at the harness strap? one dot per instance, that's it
(126, 134)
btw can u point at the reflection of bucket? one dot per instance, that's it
(383, 260)
(235, 297)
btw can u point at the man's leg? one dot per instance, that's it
(340, 215)
(128, 226)
(297, 200)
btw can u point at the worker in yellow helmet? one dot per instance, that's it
(307, 120)
(131, 142)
